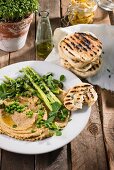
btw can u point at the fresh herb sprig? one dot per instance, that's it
(58, 111)
(54, 84)
(20, 86)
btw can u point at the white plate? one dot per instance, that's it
(74, 127)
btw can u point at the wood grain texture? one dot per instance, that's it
(55, 23)
(111, 15)
(108, 124)
(56, 160)
(13, 161)
(53, 6)
(4, 58)
(64, 5)
(88, 152)
(101, 17)
(0, 158)
(106, 106)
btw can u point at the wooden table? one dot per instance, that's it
(93, 149)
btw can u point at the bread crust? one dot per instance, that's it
(81, 47)
(90, 72)
(79, 95)
(81, 62)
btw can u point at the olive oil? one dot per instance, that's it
(8, 120)
(43, 49)
(44, 43)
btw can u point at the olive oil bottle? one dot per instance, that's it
(43, 49)
(44, 43)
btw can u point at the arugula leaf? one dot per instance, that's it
(51, 119)
(58, 133)
(62, 78)
(56, 106)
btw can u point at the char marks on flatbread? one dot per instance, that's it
(89, 72)
(81, 53)
(79, 95)
(81, 46)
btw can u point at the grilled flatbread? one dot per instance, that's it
(80, 47)
(91, 72)
(81, 54)
(79, 95)
(90, 97)
(82, 69)
(74, 62)
(82, 72)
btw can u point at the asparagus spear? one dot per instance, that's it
(30, 89)
(42, 94)
(41, 87)
(32, 72)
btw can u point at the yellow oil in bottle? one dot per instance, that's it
(43, 49)
(44, 43)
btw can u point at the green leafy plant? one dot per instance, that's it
(16, 10)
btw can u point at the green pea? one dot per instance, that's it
(18, 107)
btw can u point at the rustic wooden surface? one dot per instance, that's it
(93, 149)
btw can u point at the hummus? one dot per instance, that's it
(22, 125)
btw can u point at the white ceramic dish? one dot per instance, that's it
(74, 127)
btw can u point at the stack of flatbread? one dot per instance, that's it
(81, 53)
(79, 95)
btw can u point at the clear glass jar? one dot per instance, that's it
(44, 42)
(81, 11)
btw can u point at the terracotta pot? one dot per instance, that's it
(13, 35)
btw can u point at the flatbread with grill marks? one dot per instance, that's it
(81, 47)
(90, 97)
(75, 63)
(79, 95)
(90, 72)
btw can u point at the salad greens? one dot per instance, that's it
(45, 87)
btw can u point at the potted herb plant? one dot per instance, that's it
(15, 19)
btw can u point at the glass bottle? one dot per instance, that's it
(44, 42)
